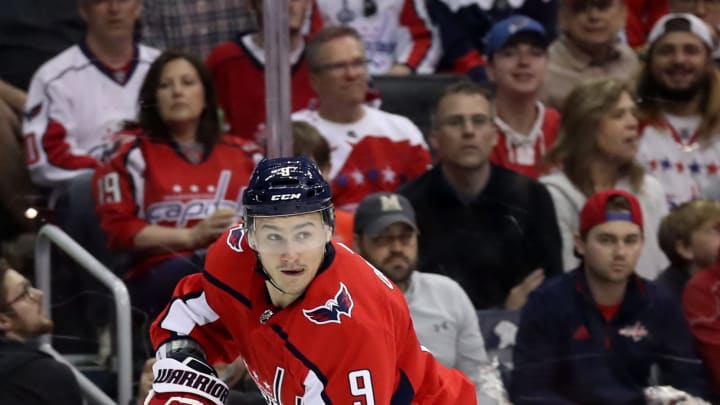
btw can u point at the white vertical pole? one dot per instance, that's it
(277, 77)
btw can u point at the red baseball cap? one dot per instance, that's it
(594, 212)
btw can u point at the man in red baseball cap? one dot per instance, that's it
(592, 335)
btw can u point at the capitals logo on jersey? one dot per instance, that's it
(342, 304)
(235, 237)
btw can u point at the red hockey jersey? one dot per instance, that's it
(151, 182)
(524, 154)
(348, 340)
(238, 70)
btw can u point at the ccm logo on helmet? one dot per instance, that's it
(284, 197)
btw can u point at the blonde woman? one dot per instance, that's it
(596, 150)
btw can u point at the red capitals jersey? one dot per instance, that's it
(524, 154)
(151, 182)
(348, 340)
(238, 69)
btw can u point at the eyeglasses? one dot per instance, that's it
(340, 67)
(477, 121)
(27, 292)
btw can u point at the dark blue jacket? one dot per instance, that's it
(566, 352)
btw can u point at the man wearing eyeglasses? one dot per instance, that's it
(490, 229)
(370, 150)
(27, 375)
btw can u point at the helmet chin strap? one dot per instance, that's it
(272, 282)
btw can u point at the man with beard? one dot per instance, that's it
(679, 100)
(27, 375)
(385, 234)
(593, 335)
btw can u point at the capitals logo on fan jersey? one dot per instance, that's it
(342, 304)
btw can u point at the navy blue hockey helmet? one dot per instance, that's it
(286, 186)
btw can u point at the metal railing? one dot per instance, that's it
(52, 234)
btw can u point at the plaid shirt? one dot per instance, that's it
(195, 26)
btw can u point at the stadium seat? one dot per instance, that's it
(412, 96)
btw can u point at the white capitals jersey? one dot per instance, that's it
(379, 152)
(683, 168)
(394, 31)
(75, 105)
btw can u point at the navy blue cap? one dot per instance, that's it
(504, 30)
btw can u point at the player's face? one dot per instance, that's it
(593, 24)
(464, 133)
(680, 61)
(519, 68)
(394, 251)
(341, 77)
(705, 243)
(24, 317)
(618, 134)
(180, 93)
(291, 249)
(110, 19)
(611, 251)
(296, 14)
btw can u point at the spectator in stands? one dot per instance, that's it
(307, 141)
(596, 151)
(444, 318)
(80, 98)
(238, 69)
(592, 335)
(588, 48)
(641, 16)
(194, 26)
(701, 304)
(517, 63)
(31, 32)
(690, 237)
(397, 35)
(490, 229)
(371, 150)
(15, 186)
(708, 11)
(29, 376)
(463, 27)
(177, 186)
(679, 93)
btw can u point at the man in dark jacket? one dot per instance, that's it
(492, 230)
(28, 376)
(592, 336)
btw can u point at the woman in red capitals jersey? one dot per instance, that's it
(175, 187)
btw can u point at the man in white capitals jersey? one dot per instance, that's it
(370, 150)
(80, 98)
(398, 35)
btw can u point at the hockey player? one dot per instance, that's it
(313, 321)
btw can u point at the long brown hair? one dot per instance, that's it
(576, 145)
(149, 119)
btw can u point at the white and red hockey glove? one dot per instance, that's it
(184, 379)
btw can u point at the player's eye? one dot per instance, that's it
(274, 237)
(301, 236)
